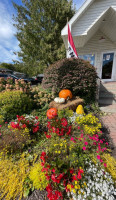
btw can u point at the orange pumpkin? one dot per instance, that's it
(65, 93)
(51, 113)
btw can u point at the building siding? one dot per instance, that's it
(91, 15)
(93, 46)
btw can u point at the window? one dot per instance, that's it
(88, 57)
(107, 65)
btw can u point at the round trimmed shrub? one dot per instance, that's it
(14, 103)
(77, 75)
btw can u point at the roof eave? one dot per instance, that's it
(82, 9)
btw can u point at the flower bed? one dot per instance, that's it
(69, 159)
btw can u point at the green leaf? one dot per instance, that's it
(26, 193)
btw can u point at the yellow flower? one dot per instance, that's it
(79, 192)
(74, 191)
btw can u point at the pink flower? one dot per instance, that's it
(99, 148)
(98, 157)
(72, 139)
(105, 165)
(84, 148)
(81, 135)
(101, 141)
(86, 143)
(100, 131)
(0, 126)
(101, 160)
(53, 170)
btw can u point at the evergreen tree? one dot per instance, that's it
(39, 24)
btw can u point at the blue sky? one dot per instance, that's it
(8, 42)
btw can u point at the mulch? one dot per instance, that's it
(37, 195)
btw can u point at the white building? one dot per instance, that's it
(93, 28)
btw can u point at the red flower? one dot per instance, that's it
(81, 171)
(20, 118)
(48, 166)
(53, 129)
(53, 170)
(71, 171)
(35, 129)
(53, 178)
(42, 164)
(43, 153)
(15, 125)
(74, 178)
(24, 126)
(36, 117)
(49, 188)
(42, 157)
(48, 177)
(44, 169)
(79, 175)
(64, 122)
(48, 136)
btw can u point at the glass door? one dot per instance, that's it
(107, 65)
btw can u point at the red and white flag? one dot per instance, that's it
(71, 47)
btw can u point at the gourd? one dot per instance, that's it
(51, 113)
(59, 100)
(65, 93)
(80, 110)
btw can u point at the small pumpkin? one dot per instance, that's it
(51, 113)
(59, 100)
(80, 110)
(65, 93)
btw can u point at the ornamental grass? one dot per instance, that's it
(12, 177)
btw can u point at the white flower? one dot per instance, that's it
(100, 187)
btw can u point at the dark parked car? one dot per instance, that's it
(39, 78)
(5, 76)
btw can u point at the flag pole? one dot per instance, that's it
(71, 47)
(67, 20)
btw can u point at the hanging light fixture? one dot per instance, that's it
(102, 39)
